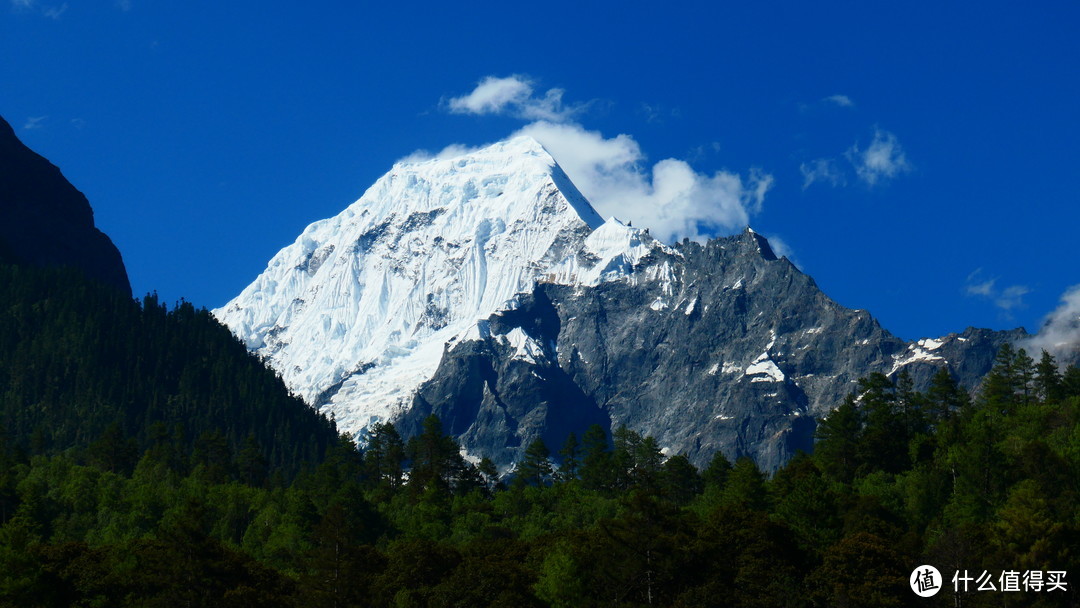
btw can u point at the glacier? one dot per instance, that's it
(485, 289)
(356, 313)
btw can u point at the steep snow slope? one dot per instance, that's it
(356, 312)
(485, 289)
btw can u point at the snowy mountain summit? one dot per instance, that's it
(486, 290)
(356, 312)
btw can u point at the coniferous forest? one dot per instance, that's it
(146, 459)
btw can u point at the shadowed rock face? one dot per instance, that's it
(715, 347)
(45, 221)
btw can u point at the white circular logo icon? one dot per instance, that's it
(925, 581)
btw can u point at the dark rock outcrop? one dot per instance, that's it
(715, 347)
(45, 221)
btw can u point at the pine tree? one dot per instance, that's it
(1047, 379)
(746, 485)
(596, 467)
(838, 438)
(570, 453)
(945, 396)
(1024, 370)
(883, 445)
(716, 474)
(384, 457)
(1070, 382)
(1001, 384)
(489, 473)
(679, 480)
(648, 461)
(436, 460)
(535, 468)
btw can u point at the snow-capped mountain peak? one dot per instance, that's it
(355, 313)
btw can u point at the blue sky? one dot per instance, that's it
(917, 159)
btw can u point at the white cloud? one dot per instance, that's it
(822, 170)
(34, 122)
(1011, 297)
(451, 151)
(782, 249)
(1007, 299)
(657, 113)
(492, 96)
(884, 159)
(841, 100)
(1060, 331)
(54, 12)
(513, 95)
(671, 198)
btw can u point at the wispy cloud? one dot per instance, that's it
(672, 199)
(822, 170)
(513, 95)
(669, 197)
(1060, 331)
(657, 113)
(54, 12)
(781, 248)
(124, 5)
(1007, 299)
(34, 122)
(841, 100)
(882, 160)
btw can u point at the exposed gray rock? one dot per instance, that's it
(708, 347)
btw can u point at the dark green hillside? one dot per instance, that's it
(147, 459)
(984, 488)
(85, 368)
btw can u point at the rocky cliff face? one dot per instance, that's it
(715, 347)
(485, 289)
(45, 221)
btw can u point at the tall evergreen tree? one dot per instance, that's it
(596, 465)
(436, 460)
(945, 397)
(571, 458)
(1047, 379)
(838, 438)
(535, 468)
(883, 444)
(384, 456)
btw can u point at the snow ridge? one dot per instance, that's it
(356, 312)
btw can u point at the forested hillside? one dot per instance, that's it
(898, 478)
(84, 367)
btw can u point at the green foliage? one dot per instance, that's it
(166, 494)
(535, 468)
(83, 367)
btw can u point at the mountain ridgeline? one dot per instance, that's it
(712, 347)
(486, 290)
(45, 221)
(87, 370)
(147, 458)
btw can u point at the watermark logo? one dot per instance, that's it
(925, 581)
(1011, 580)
